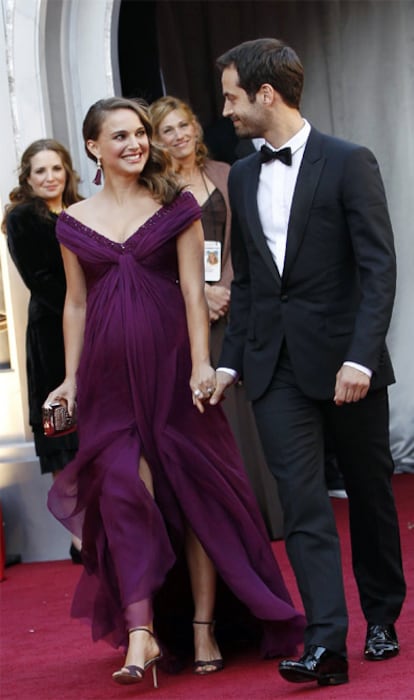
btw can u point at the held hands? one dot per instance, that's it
(351, 385)
(223, 380)
(202, 383)
(209, 387)
(66, 392)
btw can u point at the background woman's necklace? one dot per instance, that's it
(58, 210)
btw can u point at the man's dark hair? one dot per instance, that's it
(266, 61)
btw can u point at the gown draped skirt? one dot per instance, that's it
(134, 399)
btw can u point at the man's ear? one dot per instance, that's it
(267, 94)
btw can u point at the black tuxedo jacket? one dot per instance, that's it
(334, 300)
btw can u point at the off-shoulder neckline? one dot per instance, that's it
(159, 213)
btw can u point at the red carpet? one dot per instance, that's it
(47, 656)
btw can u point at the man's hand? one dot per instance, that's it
(223, 380)
(351, 385)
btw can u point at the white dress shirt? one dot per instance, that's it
(275, 193)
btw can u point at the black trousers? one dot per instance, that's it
(292, 426)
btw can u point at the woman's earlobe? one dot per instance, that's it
(90, 145)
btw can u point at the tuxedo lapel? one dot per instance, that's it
(251, 184)
(308, 178)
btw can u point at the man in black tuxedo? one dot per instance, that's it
(313, 290)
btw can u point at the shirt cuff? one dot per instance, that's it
(361, 368)
(232, 372)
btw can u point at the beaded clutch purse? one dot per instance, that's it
(57, 421)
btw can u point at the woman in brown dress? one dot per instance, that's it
(178, 129)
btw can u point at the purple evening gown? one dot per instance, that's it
(134, 398)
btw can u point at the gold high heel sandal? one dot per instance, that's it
(203, 668)
(130, 674)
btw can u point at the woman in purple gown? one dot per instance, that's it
(157, 465)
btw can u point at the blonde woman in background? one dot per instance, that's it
(177, 128)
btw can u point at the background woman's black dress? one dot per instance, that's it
(35, 251)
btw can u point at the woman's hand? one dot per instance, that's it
(65, 392)
(218, 301)
(203, 384)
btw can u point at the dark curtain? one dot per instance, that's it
(193, 33)
(139, 67)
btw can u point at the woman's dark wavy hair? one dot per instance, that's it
(266, 61)
(23, 193)
(157, 175)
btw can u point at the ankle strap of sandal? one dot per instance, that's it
(202, 622)
(141, 629)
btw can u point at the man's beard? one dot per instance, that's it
(245, 132)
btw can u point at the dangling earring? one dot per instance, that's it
(98, 177)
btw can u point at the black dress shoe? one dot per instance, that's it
(381, 642)
(317, 664)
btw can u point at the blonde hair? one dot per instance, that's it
(165, 105)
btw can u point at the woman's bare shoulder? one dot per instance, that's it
(78, 209)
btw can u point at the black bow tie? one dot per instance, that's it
(285, 155)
